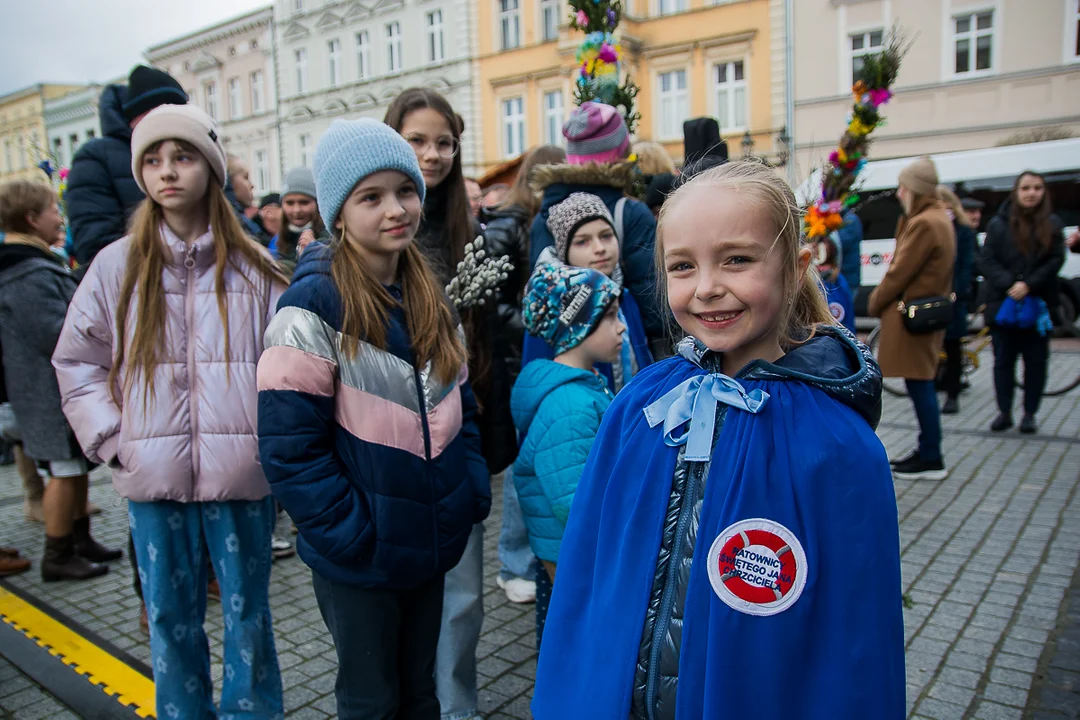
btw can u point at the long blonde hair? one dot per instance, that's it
(145, 268)
(366, 308)
(806, 307)
(952, 202)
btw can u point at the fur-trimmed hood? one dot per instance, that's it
(618, 175)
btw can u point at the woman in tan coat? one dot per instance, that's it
(922, 267)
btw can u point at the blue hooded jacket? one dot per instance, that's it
(609, 183)
(558, 409)
(377, 461)
(795, 571)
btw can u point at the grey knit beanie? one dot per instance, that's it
(565, 218)
(299, 181)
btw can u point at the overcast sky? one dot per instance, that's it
(77, 41)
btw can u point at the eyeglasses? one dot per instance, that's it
(446, 147)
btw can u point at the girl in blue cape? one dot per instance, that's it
(733, 548)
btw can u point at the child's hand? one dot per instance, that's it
(306, 238)
(1019, 291)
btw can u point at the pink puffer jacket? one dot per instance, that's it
(197, 439)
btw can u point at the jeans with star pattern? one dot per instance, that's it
(169, 541)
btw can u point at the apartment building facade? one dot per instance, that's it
(23, 139)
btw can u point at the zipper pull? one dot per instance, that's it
(189, 261)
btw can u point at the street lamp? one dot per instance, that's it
(747, 145)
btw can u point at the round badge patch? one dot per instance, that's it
(837, 311)
(758, 567)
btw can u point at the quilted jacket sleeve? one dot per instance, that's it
(96, 214)
(83, 358)
(569, 428)
(296, 379)
(638, 247)
(477, 465)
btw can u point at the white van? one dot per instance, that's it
(988, 175)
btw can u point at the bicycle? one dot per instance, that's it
(1061, 376)
(972, 346)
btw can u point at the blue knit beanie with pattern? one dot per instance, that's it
(349, 151)
(564, 304)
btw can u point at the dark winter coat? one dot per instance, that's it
(506, 232)
(1003, 264)
(101, 192)
(850, 235)
(922, 267)
(376, 460)
(492, 391)
(252, 228)
(35, 291)
(962, 277)
(609, 183)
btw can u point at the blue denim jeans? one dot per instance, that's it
(462, 618)
(924, 398)
(514, 552)
(169, 541)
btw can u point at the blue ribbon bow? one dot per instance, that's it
(693, 404)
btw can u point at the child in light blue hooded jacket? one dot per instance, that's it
(558, 404)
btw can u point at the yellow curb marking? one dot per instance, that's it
(115, 678)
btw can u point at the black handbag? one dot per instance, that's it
(927, 315)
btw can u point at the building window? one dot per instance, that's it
(257, 91)
(393, 47)
(862, 45)
(235, 102)
(513, 123)
(553, 118)
(333, 53)
(297, 6)
(262, 171)
(210, 95)
(305, 148)
(549, 19)
(58, 151)
(363, 55)
(8, 167)
(510, 23)
(73, 141)
(90, 135)
(974, 40)
(731, 95)
(1074, 21)
(670, 7)
(436, 52)
(22, 153)
(674, 104)
(301, 70)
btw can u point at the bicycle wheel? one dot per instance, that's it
(893, 386)
(1063, 371)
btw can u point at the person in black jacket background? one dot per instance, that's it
(1021, 256)
(507, 233)
(101, 192)
(962, 276)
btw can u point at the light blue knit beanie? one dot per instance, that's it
(349, 151)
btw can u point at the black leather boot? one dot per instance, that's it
(89, 548)
(61, 562)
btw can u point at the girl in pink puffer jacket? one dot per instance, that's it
(156, 365)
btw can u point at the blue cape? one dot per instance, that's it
(808, 461)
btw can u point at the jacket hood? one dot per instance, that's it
(514, 212)
(315, 261)
(537, 381)
(113, 123)
(618, 175)
(833, 361)
(17, 260)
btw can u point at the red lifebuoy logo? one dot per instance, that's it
(837, 311)
(758, 567)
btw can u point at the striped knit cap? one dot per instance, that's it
(597, 133)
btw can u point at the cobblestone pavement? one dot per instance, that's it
(22, 699)
(988, 557)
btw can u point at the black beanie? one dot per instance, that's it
(270, 199)
(148, 88)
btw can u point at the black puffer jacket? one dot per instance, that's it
(101, 192)
(832, 355)
(506, 232)
(1002, 264)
